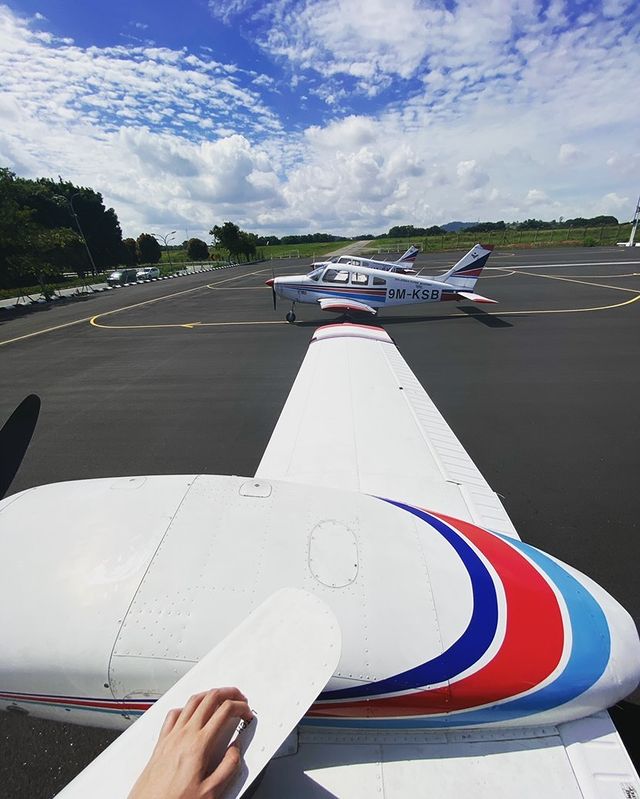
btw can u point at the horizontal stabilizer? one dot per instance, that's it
(469, 295)
(345, 305)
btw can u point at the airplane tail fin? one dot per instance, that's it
(466, 272)
(409, 256)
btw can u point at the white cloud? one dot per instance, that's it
(120, 83)
(536, 197)
(504, 110)
(614, 202)
(470, 176)
(568, 153)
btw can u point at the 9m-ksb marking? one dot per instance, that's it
(413, 294)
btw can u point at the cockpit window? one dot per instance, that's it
(315, 275)
(336, 276)
(379, 281)
(359, 278)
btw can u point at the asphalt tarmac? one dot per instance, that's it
(190, 376)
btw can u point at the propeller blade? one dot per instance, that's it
(273, 286)
(271, 282)
(15, 437)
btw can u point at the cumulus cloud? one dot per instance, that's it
(614, 202)
(535, 197)
(470, 176)
(457, 110)
(568, 153)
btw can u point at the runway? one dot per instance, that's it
(190, 376)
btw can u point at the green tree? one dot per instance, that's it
(248, 244)
(149, 251)
(129, 252)
(62, 204)
(29, 250)
(227, 236)
(197, 250)
(406, 231)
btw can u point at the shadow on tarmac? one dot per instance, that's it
(15, 437)
(380, 321)
(626, 717)
(13, 311)
(482, 316)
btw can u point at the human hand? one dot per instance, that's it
(192, 758)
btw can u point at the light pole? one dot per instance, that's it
(165, 240)
(75, 216)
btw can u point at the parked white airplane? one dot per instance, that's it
(404, 264)
(344, 287)
(471, 663)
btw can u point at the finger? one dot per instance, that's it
(212, 701)
(169, 723)
(220, 728)
(189, 709)
(228, 767)
(230, 709)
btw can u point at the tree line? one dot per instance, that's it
(412, 232)
(48, 227)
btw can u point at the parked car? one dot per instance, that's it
(148, 273)
(122, 276)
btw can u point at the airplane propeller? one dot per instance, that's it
(15, 437)
(271, 282)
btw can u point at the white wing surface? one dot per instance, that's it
(358, 418)
(579, 760)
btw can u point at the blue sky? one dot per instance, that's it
(336, 115)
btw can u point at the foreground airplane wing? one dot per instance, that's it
(579, 760)
(358, 418)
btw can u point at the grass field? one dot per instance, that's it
(179, 256)
(301, 250)
(569, 237)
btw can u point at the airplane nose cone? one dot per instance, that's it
(269, 282)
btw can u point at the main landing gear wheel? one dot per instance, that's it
(290, 317)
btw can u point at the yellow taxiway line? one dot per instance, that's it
(91, 319)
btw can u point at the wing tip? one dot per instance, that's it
(351, 330)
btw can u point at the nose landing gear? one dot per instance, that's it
(291, 317)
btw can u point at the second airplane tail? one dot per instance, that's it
(409, 256)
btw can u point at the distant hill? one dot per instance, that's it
(454, 227)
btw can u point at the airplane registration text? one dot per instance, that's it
(413, 294)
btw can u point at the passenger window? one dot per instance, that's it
(336, 276)
(379, 281)
(359, 278)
